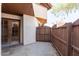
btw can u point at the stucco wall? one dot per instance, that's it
(40, 11)
(29, 29)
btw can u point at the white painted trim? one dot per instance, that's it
(5, 15)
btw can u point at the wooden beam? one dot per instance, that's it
(47, 5)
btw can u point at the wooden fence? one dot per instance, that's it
(75, 40)
(65, 39)
(43, 33)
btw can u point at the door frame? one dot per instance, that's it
(19, 27)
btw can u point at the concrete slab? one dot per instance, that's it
(35, 49)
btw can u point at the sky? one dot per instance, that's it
(53, 19)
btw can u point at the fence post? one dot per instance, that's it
(69, 30)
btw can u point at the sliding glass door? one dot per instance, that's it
(10, 32)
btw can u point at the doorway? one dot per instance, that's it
(10, 32)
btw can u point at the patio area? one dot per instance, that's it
(35, 49)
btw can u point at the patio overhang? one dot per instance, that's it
(18, 8)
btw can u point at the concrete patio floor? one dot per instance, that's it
(35, 49)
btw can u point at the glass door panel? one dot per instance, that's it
(10, 32)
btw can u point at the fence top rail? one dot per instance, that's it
(74, 25)
(59, 27)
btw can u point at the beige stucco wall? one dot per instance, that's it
(40, 11)
(29, 29)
